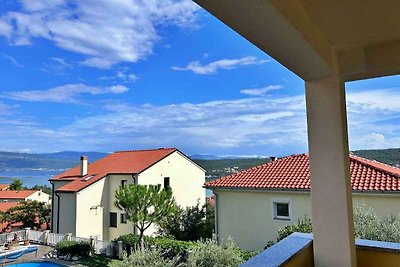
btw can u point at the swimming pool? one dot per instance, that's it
(36, 264)
(17, 252)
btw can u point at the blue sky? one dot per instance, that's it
(116, 75)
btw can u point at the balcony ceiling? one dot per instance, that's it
(316, 38)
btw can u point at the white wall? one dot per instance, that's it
(246, 216)
(40, 197)
(114, 181)
(90, 210)
(186, 180)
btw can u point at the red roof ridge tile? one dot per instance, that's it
(391, 170)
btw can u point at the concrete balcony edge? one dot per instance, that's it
(285, 250)
(281, 252)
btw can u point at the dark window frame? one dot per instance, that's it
(113, 219)
(123, 218)
(124, 183)
(167, 182)
(282, 210)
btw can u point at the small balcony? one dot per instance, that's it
(297, 250)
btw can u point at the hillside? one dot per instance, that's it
(389, 156)
(214, 165)
(216, 168)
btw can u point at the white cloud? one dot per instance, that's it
(5, 109)
(224, 64)
(260, 91)
(107, 32)
(62, 62)
(13, 61)
(68, 93)
(273, 125)
(5, 28)
(225, 124)
(122, 74)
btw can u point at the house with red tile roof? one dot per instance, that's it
(277, 194)
(23, 195)
(84, 196)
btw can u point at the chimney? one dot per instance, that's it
(272, 158)
(84, 165)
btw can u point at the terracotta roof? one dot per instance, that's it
(4, 206)
(292, 173)
(121, 162)
(16, 194)
(4, 186)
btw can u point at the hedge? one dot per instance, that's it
(72, 248)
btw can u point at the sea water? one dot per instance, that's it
(29, 178)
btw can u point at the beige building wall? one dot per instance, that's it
(186, 180)
(67, 214)
(90, 210)
(114, 181)
(247, 216)
(54, 204)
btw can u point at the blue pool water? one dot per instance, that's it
(36, 264)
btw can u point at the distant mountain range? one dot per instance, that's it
(59, 160)
(68, 159)
(213, 157)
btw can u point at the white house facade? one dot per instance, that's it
(83, 200)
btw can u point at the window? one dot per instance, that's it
(123, 218)
(166, 182)
(113, 219)
(281, 210)
(123, 183)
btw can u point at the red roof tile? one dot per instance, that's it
(4, 186)
(292, 173)
(121, 162)
(4, 206)
(16, 194)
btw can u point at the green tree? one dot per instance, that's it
(191, 224)
(145, 205)
(32, 214)
(16, 184)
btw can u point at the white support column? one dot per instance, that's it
(332, 211)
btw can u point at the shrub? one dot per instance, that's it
(193, 223)
(302, 226)
(245, 254)
(209, 254)
(72, 248)
(368, 225)
(145, 258)
(169, 247)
